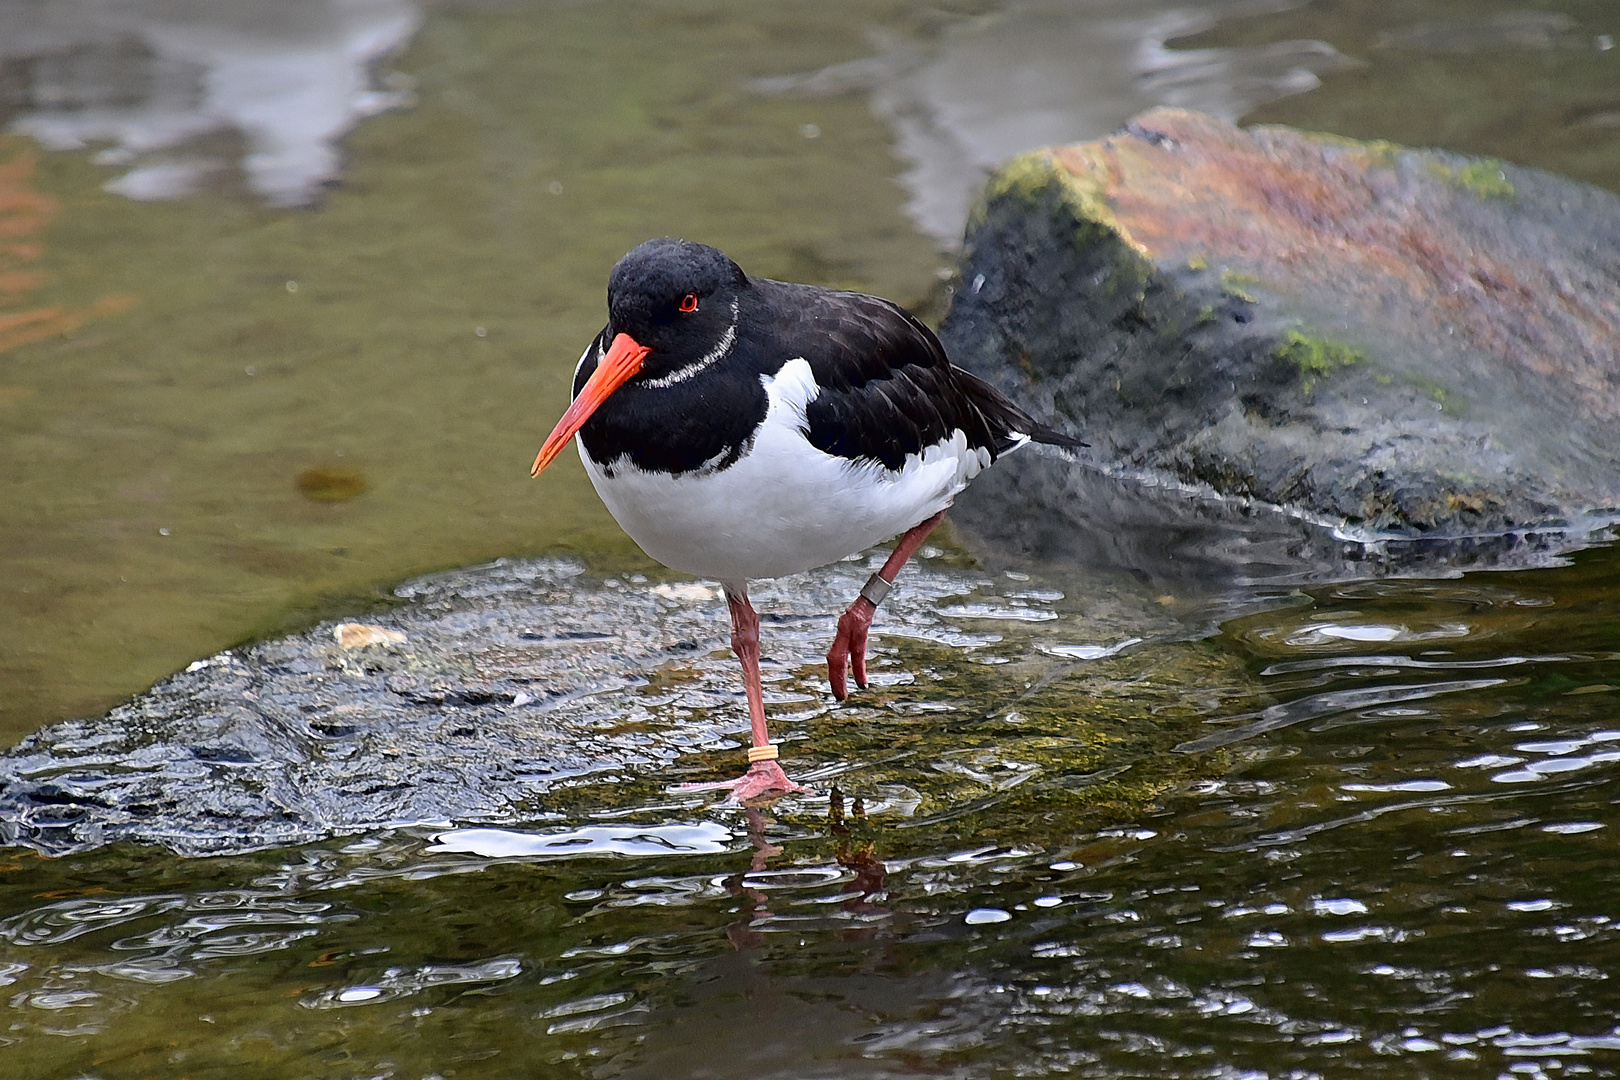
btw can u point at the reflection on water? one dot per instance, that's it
(1411, 875)
(703, 838)
(149, 81)
(1041, 72)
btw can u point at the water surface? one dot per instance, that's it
(1368, 831)
(223, 417)
(402, 347)
(1362, 828)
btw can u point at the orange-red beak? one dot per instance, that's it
(621, 363)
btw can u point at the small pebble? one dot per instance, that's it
(352, 635)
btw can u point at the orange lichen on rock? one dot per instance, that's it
(25, 214)
(1404, 342)
(1377, 225)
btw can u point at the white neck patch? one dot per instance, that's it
(707, 360)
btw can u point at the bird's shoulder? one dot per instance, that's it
(885, 388)
(851, 339)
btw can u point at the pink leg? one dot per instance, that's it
(763, 777)
(849, 644)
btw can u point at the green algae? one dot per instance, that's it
(1038, 179)
(1431, 388)
(1034, 177)
(1031, 180)
(1236, 285)
(1315, 358)
(1485, 179)
(1378, 153)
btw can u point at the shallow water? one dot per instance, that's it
(244, 414)
(1358, 828)
(1366, 830)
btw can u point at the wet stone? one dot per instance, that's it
(521, 691)
(1387, 342)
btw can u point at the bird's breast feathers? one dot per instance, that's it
(780, 506)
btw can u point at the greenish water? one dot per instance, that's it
(196, 409)
(1365, 828)
(182, 387)
(1536, 83)
(1368, 830)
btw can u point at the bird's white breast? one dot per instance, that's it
(783, 506)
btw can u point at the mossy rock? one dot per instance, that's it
(1335, 328)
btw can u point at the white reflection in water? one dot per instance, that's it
(986, 916)
(1339, 906)
(706, 837)
(1328, 633)
(1402, 785)
(1361, 633)
(399, 982)
(153, 77)
(1087, 652)
(996, 611)
(1041, 72)
(1572, 828)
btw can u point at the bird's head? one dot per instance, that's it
(674, 298)
(671, 303)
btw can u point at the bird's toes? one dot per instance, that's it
(837, 666)
(763, 782)
(835, 677)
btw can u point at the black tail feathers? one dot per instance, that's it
(1052, 437)
(1005, 418)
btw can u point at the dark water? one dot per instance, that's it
(1368, 830)
(1364, 828)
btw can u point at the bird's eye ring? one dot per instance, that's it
(689, 302)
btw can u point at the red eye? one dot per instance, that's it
(689, 302)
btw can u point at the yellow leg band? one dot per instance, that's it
(761, 753)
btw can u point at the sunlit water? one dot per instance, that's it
(1362, 829)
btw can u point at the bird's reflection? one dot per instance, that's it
(754, 901)
(865, 891)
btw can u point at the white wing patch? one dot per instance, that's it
(791, 390)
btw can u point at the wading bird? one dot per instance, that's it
(741, 428)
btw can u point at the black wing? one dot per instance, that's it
(887, 389)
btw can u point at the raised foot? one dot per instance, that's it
(763, 780)
(849, 647)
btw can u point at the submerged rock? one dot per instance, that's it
(525, 691)
(1390, 343)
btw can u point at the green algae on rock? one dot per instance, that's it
(1397, 342)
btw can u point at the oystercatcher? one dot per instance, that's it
(743, 428)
